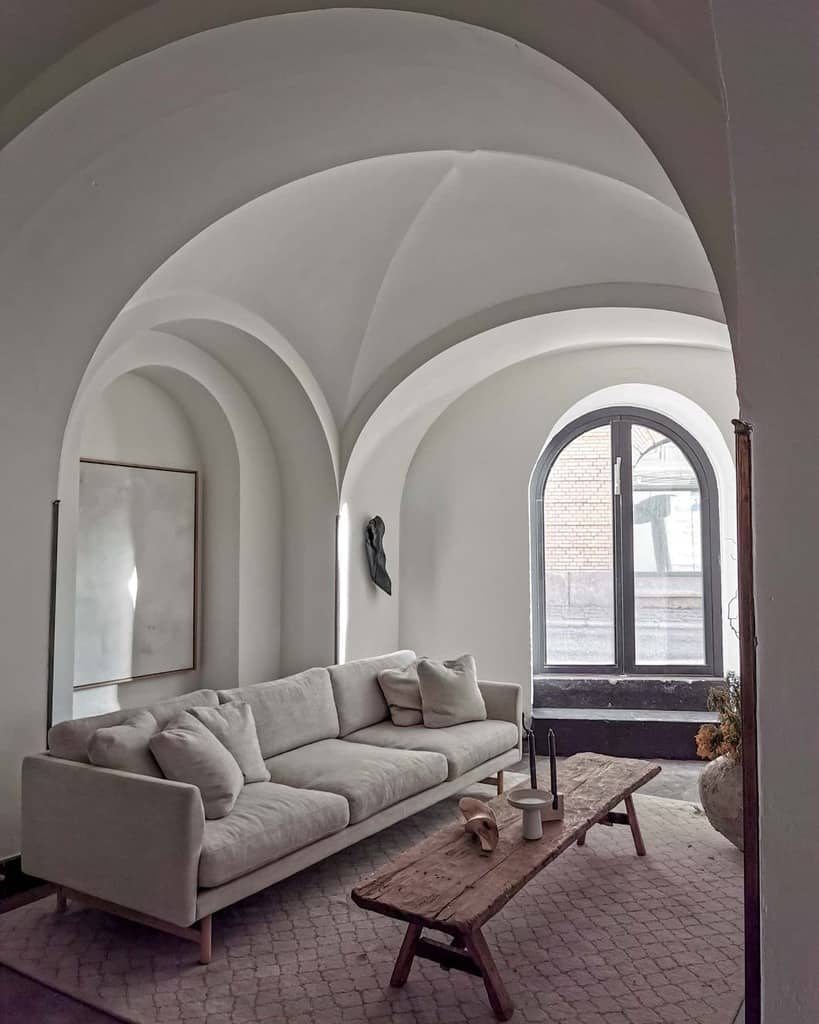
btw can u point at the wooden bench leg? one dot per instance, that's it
(636, 835)
(582, 840)
(62, 901)
(499, 1000)
(406, 955)
(500, 781)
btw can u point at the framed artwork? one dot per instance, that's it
(136, 599)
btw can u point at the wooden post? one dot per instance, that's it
(499, 781)
(747, 675)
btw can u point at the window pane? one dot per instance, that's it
(579, 554)
(668, 581)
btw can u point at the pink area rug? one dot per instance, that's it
(599, 937)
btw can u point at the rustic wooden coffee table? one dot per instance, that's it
(446, 885)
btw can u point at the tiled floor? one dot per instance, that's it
(600, 937)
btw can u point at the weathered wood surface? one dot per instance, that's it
(444, 883)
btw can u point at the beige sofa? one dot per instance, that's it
(340, 770)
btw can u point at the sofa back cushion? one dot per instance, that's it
(187, 751)
(358, 696)
(290, 712)
(125, 746)
(70, 739)
(235, 728)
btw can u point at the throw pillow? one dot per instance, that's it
(449, 692)
(125, 746)
(234, 726)
(402, 694)
(187, 751)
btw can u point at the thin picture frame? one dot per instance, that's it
(195, 605)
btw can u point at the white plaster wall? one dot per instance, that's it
(134, 420)
(465, 509)
(771, 72)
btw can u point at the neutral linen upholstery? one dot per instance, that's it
(267, 822)
(234, 726)
(504, 701)
(125, 838)
(125, 746)
(358, 697)
(464, 746)
(402, 694)
(187, 751)
(70, 739)
(370, 778)
(290, 712)
(449, 692)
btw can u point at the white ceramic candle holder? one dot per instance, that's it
(536, 805)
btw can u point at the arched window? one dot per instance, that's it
(625, 550)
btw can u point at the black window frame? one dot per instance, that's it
(620, 420)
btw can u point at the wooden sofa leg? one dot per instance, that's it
(62, 901)
(499, 781)
(205, 939)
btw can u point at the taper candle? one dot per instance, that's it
(553, 766)
(530, 736)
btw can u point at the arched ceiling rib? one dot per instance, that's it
(413, 406)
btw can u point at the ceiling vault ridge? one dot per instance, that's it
(411, 225)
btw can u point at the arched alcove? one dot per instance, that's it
(464, 518)
(377, 471)
(241, 551)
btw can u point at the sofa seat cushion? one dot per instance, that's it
(290, 712)
(358, 696)
(369, 778)
(464, 746)
(267, 822)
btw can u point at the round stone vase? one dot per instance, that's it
(721, 798)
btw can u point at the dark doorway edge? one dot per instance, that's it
(747, 672)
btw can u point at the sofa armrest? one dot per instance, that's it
(128, 839)
(504, 702)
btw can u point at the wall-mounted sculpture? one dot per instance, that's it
(376, 559)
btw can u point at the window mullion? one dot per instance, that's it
(616, 505)
(625, 553)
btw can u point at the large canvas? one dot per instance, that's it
(136, 572)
